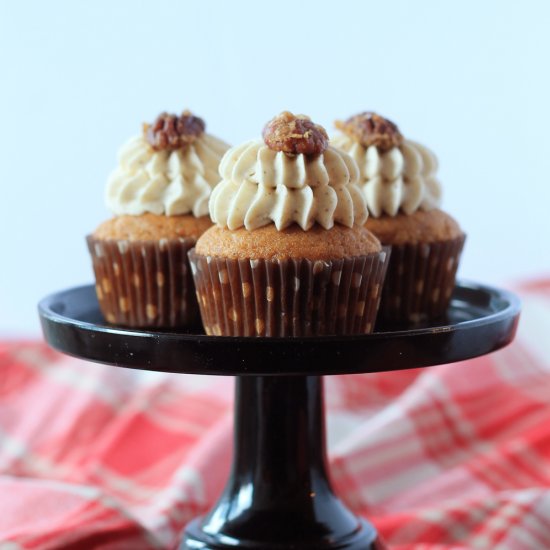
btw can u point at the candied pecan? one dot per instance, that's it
(368, 128)
(295, 135)
(171, 132)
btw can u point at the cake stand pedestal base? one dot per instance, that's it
(279, 494)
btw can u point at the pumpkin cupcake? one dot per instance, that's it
(159, 194)
(399, 183)
(289, 254)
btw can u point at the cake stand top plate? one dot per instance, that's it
(480, 319)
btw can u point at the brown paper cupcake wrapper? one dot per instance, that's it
(145, 284)
(288, 297)
(420, 281)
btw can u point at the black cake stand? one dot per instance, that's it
(278, 495)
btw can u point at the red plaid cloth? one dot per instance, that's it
(452, 457)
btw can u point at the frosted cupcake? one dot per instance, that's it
(289, 254)
(398, 181)
(159, 194)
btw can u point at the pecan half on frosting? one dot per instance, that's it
(368, 129)
(295, 135)
(171, 132)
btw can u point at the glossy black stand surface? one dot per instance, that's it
(279, 495)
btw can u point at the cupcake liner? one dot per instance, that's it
(143, 283)
(292, 297)
(420, 281)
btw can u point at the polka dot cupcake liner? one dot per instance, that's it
(420, 281)
(145, 284)
(294, 297)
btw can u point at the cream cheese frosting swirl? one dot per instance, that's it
(401, 178)
(261, 186)
(169, 182)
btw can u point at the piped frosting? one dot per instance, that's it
(394, 173)
(262, 185)
(166, 181)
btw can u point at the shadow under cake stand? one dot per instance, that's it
(278, 495)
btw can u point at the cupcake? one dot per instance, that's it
(159, 195)
(289, 254)
(399, 183)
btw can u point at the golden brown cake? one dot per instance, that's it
(402, 193)
(159, 194)
(268, 243)
(289, 255)
(152, 227)
(419, 227)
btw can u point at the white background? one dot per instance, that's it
(470, 79)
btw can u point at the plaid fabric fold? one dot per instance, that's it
(446, 458)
